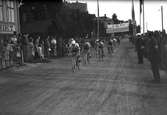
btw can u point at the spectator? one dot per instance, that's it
(18, 54)
(1, 53)
(6, 54)
(140, 49)
(10, 50)
(54, 46)
(40, 53)
(154, 57)
(36, 47)
(47, 48)
(32, 48)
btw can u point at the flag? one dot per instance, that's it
(141, 3)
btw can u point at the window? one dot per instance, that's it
(10, 11)
(1, 11)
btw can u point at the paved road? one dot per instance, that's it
(117, 86)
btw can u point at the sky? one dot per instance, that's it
(123, 9)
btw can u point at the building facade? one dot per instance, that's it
(9, 18)
(9, 24)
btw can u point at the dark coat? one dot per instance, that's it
(139, 44)
(154, 52)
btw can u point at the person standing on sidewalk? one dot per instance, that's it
(140, 49)
(54, 46)
(154, 57)
(40, 52)
(32, 49)
(47, 48)
(18, 54)
(1, 53)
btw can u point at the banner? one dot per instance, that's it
(116, 28)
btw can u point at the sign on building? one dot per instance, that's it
(117, 28)
(7, 28)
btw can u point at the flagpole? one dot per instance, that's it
(143, 18)
(140, 14)
(140, 23)
(140, 20)
(133, 19)
(162, 17)
(97, 19)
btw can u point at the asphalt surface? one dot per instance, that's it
(116, 86)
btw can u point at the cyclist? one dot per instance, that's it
(101, 50)
(96, 47)
(86, 52)
(75, 52)
(110, 46)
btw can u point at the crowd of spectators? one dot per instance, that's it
(153, 46)
(20, 48)
(160, 38)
